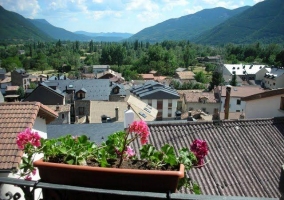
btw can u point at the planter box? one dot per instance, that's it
(110, 178)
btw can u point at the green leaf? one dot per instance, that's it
(196, 188)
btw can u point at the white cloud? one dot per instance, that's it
(148, 16)
(257, 1)
(143, 5)
(96, 15)
(170, 4)
(193, 10)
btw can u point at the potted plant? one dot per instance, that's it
(112, 164)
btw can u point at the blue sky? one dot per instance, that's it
(129, 16)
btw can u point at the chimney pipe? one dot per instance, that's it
(227, 101)
(216, 115)
(128, 118)
(116, 114)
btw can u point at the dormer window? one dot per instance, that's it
(115, 90)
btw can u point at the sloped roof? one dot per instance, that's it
(245, 155)
(147, 76)
(154, 90)
(14, 118)
(99, 108)
(12, 88)
(1, 97)
(194, 96)
(242, 91)
(264, 94)
(143, 110)
(239, 69)
(97, 89)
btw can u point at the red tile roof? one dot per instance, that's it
(245, 155)
(14, 118)
(243, 91)
(147, 76)
(12, 88)
(265, 94)
(194, 96)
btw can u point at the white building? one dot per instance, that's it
(257, 106)
(159, 96)
(237, 93)
(245, 72)
(272, 78)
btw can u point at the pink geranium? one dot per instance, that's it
(27, 136)
(129, 152)
(200, 150)
(141, 129)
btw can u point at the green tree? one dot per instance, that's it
(234, 80)
(200, 77)
(217, 79)
(21, 92)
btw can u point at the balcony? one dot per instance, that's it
(28, 188)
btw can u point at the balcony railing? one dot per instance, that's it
(28, 188)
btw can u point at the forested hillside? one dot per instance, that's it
(186, 27)
(15, 27)
(261, 23)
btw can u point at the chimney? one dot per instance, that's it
(57, 107)
(227, 101)
(116, 114)
(128, 118)
(242, 116)
(216, 115)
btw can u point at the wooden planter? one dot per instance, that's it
(109, 178)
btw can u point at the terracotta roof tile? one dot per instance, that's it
(243, 91)
(12, 88)
(14, 118)
(147, 76)
(194, 95)
(245, 155)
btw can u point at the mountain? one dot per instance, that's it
(113, 34)
(58, 33)
(16, 27)
(187, 27)
(263, 23)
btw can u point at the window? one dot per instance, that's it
(203, 109)
(170, 104)
(170, 112)
(62, 116)
(238, 111)
(159, 104)
(282, 103)
(150, 102)
(81, 111)
(273, 83)
(238, 102)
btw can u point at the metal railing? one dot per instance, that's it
(28, 188)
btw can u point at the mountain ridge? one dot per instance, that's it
(188, 26)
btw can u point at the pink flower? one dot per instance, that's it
(129, 152)
(200, 150)
(140, 128)
(27, 136)
(28, 178)
(34, 172)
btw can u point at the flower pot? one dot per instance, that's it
(109, 178)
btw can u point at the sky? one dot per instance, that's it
(124, 16)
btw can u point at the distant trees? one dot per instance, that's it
(234, 80)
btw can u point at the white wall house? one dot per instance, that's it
(199, 100)
(246, 72)
(272, 78)
(20, 115)
(236, 95)
(159, 96)
(257, 106)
